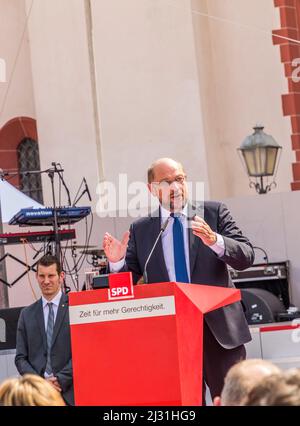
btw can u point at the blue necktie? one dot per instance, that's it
(49, 334)
(179, 254)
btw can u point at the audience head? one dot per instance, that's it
(241, 379)
(29, 390)
(276, 390)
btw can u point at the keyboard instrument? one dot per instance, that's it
(36, 237)
(45, 216)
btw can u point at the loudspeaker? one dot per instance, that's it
(8, 327)
(100, 281)
(260, 306)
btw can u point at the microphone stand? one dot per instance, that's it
(85, 191)
(55, 225)
(162, 229)
(81, 195)
(3, 276)
(60, 174)
(74, 256)
(50, 172)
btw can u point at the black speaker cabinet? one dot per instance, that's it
(273, 277)
(8, 327)
(260, 306)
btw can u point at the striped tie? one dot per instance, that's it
(49, 333)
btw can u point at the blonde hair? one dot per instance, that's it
(29, 390)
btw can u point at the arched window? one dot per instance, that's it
(29, 160)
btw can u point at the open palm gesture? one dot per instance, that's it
(114, 249)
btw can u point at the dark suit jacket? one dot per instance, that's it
(31, 353)
(227, 324)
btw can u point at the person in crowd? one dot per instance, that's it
(276, 390)
(43, 333)
(242, 378)
(29, 390)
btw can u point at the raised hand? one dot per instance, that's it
(114, 249)
(202, 230)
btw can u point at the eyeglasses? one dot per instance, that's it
(179, 179)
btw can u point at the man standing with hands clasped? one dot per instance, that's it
(43, 334)
(196, 246)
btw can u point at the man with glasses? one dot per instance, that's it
(196, 247)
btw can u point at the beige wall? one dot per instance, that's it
(241, 80)
(16, 94)
(148, 86)
(170, 79)
(62, 91)
(147, 83)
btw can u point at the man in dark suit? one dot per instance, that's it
(198, 243)
(43, 333)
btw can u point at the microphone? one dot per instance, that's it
(87, 189)
(162, 229)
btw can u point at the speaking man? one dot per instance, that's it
(196, 247)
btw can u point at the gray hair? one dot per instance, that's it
(276, 390)
(242, 377)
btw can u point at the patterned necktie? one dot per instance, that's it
(179, 253)
(49, 334)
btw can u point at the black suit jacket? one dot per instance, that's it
(31, 351)
(227, 324)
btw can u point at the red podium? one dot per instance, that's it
(142, 351)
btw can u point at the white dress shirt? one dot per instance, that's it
(167, 244)
(55, 303)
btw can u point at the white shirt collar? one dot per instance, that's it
(55, 299)
(166, 213)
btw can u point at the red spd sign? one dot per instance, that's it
(120, 286)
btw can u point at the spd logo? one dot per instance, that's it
(120, 286)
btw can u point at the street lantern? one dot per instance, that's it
(259, 154)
